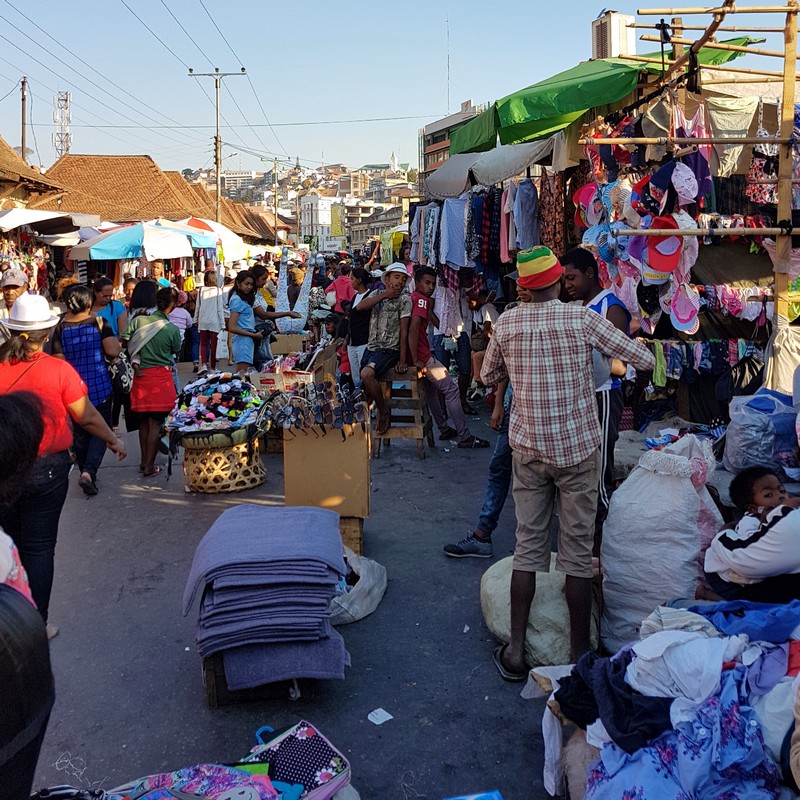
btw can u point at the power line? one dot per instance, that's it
(33, 131)
(249, 79)
(64, 63)
(211, 64)
(89, 66)
(189, 35)
(278, 124)
(9, 91)
(173, 54)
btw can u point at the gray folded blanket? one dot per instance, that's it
(252, 545)
(257, 664)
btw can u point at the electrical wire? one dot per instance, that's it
(76, 71)
(33, 131)
(9, 91)
(249, 79)
(281, 124)
(89, 66)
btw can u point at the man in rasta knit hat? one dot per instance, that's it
(545, 349)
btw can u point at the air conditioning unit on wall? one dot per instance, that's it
(611, 36)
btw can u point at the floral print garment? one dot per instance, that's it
(719, 754)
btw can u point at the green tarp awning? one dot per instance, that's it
(549, 106)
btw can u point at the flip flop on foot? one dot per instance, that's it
(473, 443)
(382, 425)
(88, 485)
(510, 675)
(156, 471)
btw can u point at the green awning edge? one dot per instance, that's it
(478, 135)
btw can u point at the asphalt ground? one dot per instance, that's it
(130, 695)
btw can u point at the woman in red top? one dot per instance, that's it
(32, 521)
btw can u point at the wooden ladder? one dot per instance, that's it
(408, 412)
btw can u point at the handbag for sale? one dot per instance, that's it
(302, 755)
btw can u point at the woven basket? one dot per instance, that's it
(213, 470)
(211, 440)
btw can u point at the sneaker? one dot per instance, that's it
(469, 547)
(196, 367)
(470, 411)
(202, 371)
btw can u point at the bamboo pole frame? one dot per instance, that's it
(668, 12)
(709, 67)
(667, 140)
(732, 48)
(667, 232)
(723, 28)
(783, 245)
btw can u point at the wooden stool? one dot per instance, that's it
(408, 412)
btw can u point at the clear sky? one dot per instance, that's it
(308, 61)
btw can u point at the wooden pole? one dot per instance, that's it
(783, 247)
(723, 28)
(778, 233)
(665, 140)
(709, 67)
(668, 12)
(733, 48)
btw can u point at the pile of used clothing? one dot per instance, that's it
(701, 706)
(266, 577)
(218, 402)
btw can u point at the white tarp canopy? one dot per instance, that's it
(48, 222)
(453, 178)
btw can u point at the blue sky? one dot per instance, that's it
(308, 61)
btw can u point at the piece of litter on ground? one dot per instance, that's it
(486, 698)
(379, 716)
(447, 449)
(466, 629)
(186, 649)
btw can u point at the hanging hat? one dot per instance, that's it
(538, 268)
(685, 308)
(685, 183)
(660, 182)
(648, 297)
(642, 200)
(30, 312)
(664, 252)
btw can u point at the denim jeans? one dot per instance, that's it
(195, 340)
(32, 522)
(494, 497)
(463, 353)
(89, 450)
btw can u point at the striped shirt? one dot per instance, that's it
(545, 349)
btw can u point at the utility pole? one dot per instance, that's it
(23, 87)
(275, 196)
(217, 76)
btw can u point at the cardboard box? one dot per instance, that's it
(289, 343)
(286, 381)
(324, 471)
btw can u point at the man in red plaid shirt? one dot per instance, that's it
(545, 349)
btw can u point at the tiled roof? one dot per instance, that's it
(13, 167)
(129, 188)
(118, 188)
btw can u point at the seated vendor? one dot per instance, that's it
(759, 560)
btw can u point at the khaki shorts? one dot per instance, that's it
(535, 485)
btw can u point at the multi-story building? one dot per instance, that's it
(315, 220)
(353, 184)
(434, 139)
(373, 226)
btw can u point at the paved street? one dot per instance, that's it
(130, 694)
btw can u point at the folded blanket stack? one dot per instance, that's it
(266, 577)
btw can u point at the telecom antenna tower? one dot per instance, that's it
(62, 116)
